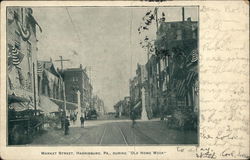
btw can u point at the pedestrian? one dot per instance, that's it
(133, 118)
(66, 126)
(62, 122)
(74, 119)
(82, 121)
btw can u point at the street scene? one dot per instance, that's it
(102, 75)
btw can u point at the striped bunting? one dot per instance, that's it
(16, 56)
(39, 67)
(190, 78)
(181, 89)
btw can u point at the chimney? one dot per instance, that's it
(50, 59)
(183, 14)
(81, 66)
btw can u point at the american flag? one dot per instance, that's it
(195, 55)
(190, 78)
(180, 88)
(15, 56)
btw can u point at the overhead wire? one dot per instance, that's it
(74, 26)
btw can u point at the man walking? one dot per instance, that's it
(133, 118)
(66, 126)
(82, 121)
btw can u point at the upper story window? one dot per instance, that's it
(74, 79)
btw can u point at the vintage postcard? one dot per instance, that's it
(124, 80)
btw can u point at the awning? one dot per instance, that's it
(15, 99)
(69, 105)
(18, 107)
(137, 105)
(20, 95)
(21, 106)
(47, 105)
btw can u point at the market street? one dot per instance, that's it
(118, 132)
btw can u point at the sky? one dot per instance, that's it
(103, 39)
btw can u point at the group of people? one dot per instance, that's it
(65, 123)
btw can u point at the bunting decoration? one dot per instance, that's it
(195, 55)
(25, 33)
(30, 23)
(190, 78)
(39, 67)
(15, 57)
(181, 89)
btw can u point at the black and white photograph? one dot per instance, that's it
(102, 75)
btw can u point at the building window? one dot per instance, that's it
(74, 79)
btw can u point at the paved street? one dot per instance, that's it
(117, 132)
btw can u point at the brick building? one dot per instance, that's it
(77, 79)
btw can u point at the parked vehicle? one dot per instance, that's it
(91, 115)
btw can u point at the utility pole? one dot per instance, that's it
(156, 18)
(62, 60)
(64, 96)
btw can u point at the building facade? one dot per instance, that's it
(77, 79)
(98, 104)
(176, 49)
(22, 53)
